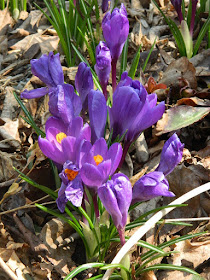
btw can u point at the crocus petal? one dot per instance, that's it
(56, 123)
(40, 68)
(84, 83)
(151, 185)
(55, 68)
(91, 176)
(171, 155)
(68, 147)
(100, 148)
(97, 113)
(50, 151)
(34, 93)
(74, 192)
(115, 154)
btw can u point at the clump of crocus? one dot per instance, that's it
(84, 83)
(115, 27)
(103, 65)
(133, 110)
(116, 196)
(155, 184)
(63, 141)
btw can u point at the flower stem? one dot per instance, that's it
(125, 150)
(103, 85)
(95, 203)
(114, 74)
(121, 232)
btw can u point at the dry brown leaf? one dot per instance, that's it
(5, 21)
(193, 101)
(179, 68)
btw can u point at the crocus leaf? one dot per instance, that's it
(179, 117)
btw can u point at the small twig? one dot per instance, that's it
(7, 269)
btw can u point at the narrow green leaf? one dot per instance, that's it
(134, 64)
(89, 48)
(147, 59)
(29, 117)
(169, 267)
(82, 268)
(124, 58)
(201, 35)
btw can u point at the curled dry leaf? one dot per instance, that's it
(180, 116)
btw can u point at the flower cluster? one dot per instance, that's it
(82, 155)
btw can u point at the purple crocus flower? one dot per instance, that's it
(116, 196)
(48, 69)
(115, 27)
(97, 114)
(99, 162)
(103, 65)
(178, 7)
(194, 4)
(151, 185)
(133, 110)
(71, 188)
(63, 141)
(171, 155)
(155, 184)
(84, 83)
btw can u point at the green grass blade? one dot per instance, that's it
(134, 65)
(124, 58)
(169, 267)
(90, 51)
(147, 59)
(29, 117)
(201, 35)
(169, 243)
(82, 268)
(2, 4)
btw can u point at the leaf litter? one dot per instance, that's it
(33, 243)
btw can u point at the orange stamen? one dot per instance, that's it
(98, 159)
(71, 174)
(60, 136)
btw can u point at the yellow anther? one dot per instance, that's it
(71, 174)
(60, 136)
(98, 159)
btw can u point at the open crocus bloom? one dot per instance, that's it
(48, 69)
(99, 162)
(116, 196)
(133, 109)
(71, 188)
(63, 141)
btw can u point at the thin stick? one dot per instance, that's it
(151, 222)
(7, 269)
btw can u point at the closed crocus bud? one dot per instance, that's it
(116, 196)
(171, 155)
(84, 83)
(104, 5)
(151, 185)
(178, 7)
(103, 65)
(115, 27)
